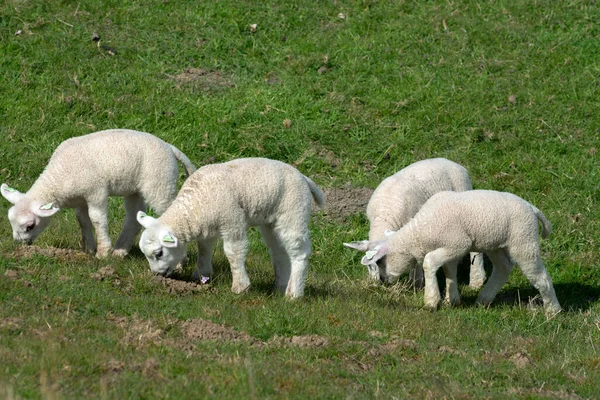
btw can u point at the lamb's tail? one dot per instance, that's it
(187, 164)
(317, 193)
(546, 225)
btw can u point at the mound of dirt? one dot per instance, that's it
(344, 201)
(54, 252)
(201, 329)
(206, 81)
(300, 341)
(176, 286)
(137, 332)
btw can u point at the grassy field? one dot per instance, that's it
(509, 89)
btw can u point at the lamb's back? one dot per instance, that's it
(399, 197)
(116, 159)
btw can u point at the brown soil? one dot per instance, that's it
(138, 332)
(345, 201)
(521, 360)
(176, 286)
(104, 273)
(391, 345)
(54, 252)
(206, 81)
(201, 329)
(10, 323)
(300, 341)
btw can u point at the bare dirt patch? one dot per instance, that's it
(300, 341)
(201, 329)
(345, 201)
(10, 323)
(393, 344)
(24, 252)
(521, 360)
(137, 332)
(176, 286)
(203, 80)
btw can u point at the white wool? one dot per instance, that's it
(84, 171)
(222, 201)
(451, 224)
(399, 197)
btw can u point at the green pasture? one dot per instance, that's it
(349, 92)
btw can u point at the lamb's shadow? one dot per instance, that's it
(573, 297)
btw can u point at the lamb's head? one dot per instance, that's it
(27, 216)
(369, 246)
(383, 259)
(159, 245)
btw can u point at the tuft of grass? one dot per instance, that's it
(506, 88)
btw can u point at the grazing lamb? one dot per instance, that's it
(399, 197)
(223, 200)
(451, 224)
(84, 171)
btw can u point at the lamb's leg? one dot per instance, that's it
(432, 262)
(416, 276)
(452, 295)
(235, 245)
(88, 242)
(502, 268)
(477, 272)
(535, 271)
(297, 245)
(279, 257)
(98, 215)
(131, 227)
(204, 263)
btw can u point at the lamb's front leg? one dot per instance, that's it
(432, 262)
(98, 214)
(88, 242)
(235, 245)
(204, 263)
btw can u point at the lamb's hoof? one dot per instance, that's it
(102, 254)
(119, 253)
(476, 283)
(552, 312)
(240, 288)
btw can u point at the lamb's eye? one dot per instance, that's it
(158, 254)
(29, 227)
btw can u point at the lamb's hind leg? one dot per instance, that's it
(297, 246)
(235, 245)
(537, 274)
(279, 257)
(131, 227)
(88, 242)
(502, 268)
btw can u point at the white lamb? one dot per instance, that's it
(84, 171)
(223, 200)
(451, 224)
(399, 197)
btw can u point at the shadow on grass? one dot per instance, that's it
(573, 297)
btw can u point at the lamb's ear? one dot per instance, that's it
(10, 194)
(168, 240)
(44, 210)
(361, 245)
(372, 256)
(144, 219)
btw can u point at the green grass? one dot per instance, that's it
(392, 83)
